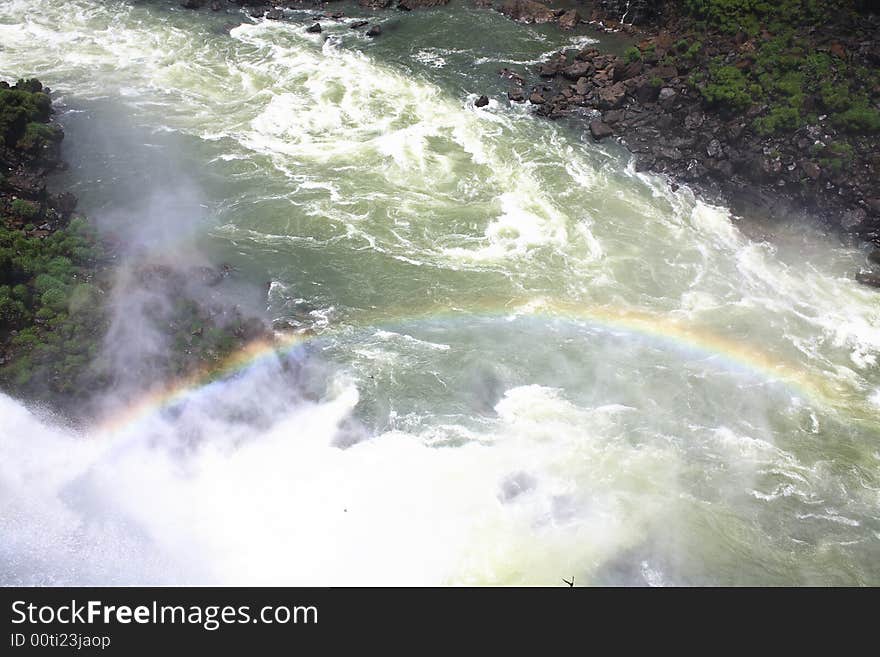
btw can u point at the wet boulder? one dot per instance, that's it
(577, 70)
(537, 98)
(527, 11)
(569, 20)
(612, 97)
(868, 278)
(408, 5)
(600, 130)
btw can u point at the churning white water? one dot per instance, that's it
(530, 361)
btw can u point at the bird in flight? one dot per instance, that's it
(571, 583)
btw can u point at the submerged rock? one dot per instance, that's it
(868, 278)
(482, 101)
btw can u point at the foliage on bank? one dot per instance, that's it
(778, 62)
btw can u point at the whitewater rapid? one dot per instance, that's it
(530, 361)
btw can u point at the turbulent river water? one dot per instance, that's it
(528, 361)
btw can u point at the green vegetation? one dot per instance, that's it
(733, 16)
(196, 337)
(782, 70)
(728, 88)
(24, 209)
(632, 54)
(24, 111)
(835, 157)
(49, 310)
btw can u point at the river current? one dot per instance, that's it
(525, 360)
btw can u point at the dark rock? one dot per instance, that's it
(536, 98)
(600, 130)
(693, 120)
(527, 11)
(275, 14)
(482, 101)
(583, 86)
(812, 170)
(192, 4)
(667, 153)
(569, 20)
(665, 72)
(645, 91)
(853, 219)
(64, 203)
(408, 5)
(629, 71)
(868, 278)
(314, 29)
(516, 94)
(613, 116)
(612, 97)
(577, 70)
(356, 25)
(374, 31)
(713, 149)
(515, 77)
(375, 4)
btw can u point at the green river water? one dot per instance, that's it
(534, 362)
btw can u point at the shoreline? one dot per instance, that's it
(680, 102)
(61, 281)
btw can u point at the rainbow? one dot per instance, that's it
(677, 334)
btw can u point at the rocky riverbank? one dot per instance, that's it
(57, 279)
(773, 110)
(772, 114)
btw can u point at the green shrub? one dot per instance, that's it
(24, 209)
(37, 135)
(83, 298)
(734, 16)
(54, 298)
(632, 54)
(18, 109)
(835, 97)
(728, 88)
(779, 119)
(694, 50)
(859, 119)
